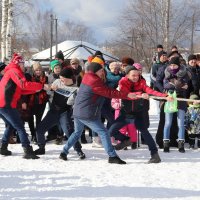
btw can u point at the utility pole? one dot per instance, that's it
(166, 23)
(51, 39)
(56, 32)
(192, 34)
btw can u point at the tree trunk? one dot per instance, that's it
(9, 29)
(3, 28)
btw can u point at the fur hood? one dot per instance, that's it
(180, 74)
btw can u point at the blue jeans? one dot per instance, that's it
(13, 120)
(168, 123)
(121, 121)
(95, 125)
(53, 118)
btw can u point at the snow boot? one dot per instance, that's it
(29, 153)
(181, 146)
(40, 151)
(4, 149)
(134, 145)
(81, 155)
(123, 144)
(63, 156)
(59, 140)
(166, 146)
(116, 160)
(155, 158)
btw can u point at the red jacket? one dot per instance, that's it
(90, 97)
(130, 107)
(13, 85)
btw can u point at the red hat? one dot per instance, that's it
(16, 59)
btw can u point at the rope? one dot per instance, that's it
(178, 99)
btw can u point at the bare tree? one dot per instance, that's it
(70, 30)
(144, 24)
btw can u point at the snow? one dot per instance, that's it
(177, 177)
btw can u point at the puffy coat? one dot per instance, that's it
(90, 97)
(131, 107)
(13, 85)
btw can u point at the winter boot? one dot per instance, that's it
(123, 144)
(134, 145)
(81, 155)
(63, 156)
(40, 151)
(155, 158)
(116, 160)
(181, 146)
(166, 146)
(29, 153)
(83, 138)
(4, 150)
(198, 143)
(59, 140)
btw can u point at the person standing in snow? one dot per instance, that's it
(13, 85)
(132, 111)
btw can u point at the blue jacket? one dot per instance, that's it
(90, 97)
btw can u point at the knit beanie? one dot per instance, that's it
(67, 73)
(94, 67)
(192, 57)
(54, 63)
(175, 60)
(16, 59)
(138, 66)
(161, 53)
(98, 60)
(2, 66)
(74, 61)
(160, 46)
(129, 68)
(114, 65)
(36, 65)
(194, 97)
(98, 53)
(59, 55)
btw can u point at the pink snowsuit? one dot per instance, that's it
(129, 129)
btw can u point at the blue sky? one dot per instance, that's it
(100, 15)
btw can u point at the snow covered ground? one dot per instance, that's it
(177, 177)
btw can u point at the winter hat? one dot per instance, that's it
(36, 65)
(113, 66)
(192, 57)
(2, 66)
(16, 59)
(94, 67)
(127, 61)
(98, 60)
(161, 53)
(194, 97)
(138, 66)
(98, 53)
(54, 63)
(74, 61)
(130, 68)
(173, 53)
(175, 60)
(59, 55)
(67, 73)
(160, 46)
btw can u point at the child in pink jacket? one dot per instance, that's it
(129, 129)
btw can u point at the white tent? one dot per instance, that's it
(72, 49)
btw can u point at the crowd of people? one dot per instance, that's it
(109, 99)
